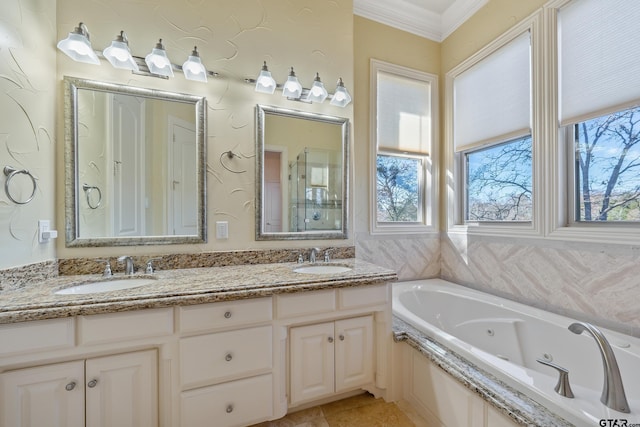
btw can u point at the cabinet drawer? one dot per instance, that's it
(303, 303)
(237, 403)
(112, 327)
(363, 296)
(224, 314)
(223, 356)
(34, 336)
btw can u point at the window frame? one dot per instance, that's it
(561, 223)
(455, 192)
(428, 184)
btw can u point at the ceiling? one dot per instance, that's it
(433, 19)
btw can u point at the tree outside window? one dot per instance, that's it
(608, 167)
(398, 188)
(499, 182)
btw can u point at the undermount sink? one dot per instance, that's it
(322, 269)
(104, 286)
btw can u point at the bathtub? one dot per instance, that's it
(504, 338)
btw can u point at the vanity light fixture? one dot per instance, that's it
(292, 87)
(119, 55)
(265, 83)
(193, 68)
(293, 90)
(158, 62)
(341, 97)
(77, 46)
(317, 93)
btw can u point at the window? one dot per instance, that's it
(599, 93)
(499, 182)
(404, 123)
(492, 134)
(607, 167)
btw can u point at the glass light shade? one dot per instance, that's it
(317, 93)
(193, 68)
(341, 97)
(292, 88)
(265, 83)
(158, 62)
(119, 55)
(77, 46)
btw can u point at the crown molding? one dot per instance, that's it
(418, 20)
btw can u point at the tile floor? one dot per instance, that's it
(359, 411)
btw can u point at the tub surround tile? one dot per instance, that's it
(76, 266)
(517, 406)
(36, 300)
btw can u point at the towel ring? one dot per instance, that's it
(87, 192)
(11, 172)
(230, 155)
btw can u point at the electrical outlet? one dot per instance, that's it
(222, 229)
(45, 233)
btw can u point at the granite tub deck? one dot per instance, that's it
(38, 301)
(517, 406)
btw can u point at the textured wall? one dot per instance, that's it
(27, 129)
(412, 256)
(233, 38)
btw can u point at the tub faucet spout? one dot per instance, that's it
(613, 395)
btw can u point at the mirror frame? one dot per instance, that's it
(72, 190)
(342, 233)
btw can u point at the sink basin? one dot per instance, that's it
(104, 286)
(322, 269)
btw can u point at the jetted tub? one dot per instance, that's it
(505, 338)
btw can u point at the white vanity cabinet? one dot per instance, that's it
(331, 357)
(119, 390)
(337, 341)
(226, 362)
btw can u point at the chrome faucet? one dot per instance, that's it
(613, 395)
(313, 255)
(128, 264)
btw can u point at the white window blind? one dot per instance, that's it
(599, 69)
(492, 99)
(403, 114)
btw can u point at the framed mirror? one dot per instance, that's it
(135, 170)
(302, 163)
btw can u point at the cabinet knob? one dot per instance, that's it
(341, 337)
(228, 357)
(330, 339)
(229, 409)
(92, 383)
(227, 315)
(70, 386)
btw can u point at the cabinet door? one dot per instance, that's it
(122, 390)
(354, 352)
(51, 395)
(312, 363)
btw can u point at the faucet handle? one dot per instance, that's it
(107, 268)
(150, 269)
(563, 388)
(300, 259)
(326, 255)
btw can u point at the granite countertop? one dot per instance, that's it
(37, 301)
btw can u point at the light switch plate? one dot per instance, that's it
(222, 229)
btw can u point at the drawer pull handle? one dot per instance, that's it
(227, 315)
(70, 386)
(228, 357)
(330, 339)
(92, 383)
(229, 409)
(341, 337)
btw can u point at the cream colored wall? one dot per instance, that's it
(27, 128)
(233, 39)
(593, 282)
(412, 256)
